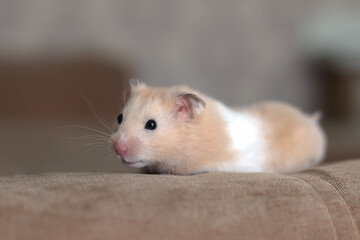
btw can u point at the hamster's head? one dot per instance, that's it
(154, 124)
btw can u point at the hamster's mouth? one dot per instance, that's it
(137, 164)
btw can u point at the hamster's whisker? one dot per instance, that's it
(105, 154)
(98, 143)
(102, 153)
(88, 128)
(97, 137)
(97, 114)
(94, 148)
(88, 137)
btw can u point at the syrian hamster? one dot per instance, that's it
(177, 130)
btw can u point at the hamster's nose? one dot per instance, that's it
(121, 148)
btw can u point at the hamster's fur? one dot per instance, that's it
(195, 133)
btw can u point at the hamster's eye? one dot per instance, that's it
(120, 118)
(150, 125)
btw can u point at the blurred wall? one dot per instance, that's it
(238, 51)
(55, 89)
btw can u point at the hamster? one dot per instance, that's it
(180, 131)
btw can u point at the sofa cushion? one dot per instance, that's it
(321, 203)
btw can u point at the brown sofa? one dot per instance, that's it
(321, 203)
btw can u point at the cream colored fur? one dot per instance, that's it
(295, 141)
(270, 137)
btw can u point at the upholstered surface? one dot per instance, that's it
(322, 203)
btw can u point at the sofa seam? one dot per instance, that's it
(324, 204)
(334, 179)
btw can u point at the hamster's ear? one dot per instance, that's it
(189, 106)
(135, 84)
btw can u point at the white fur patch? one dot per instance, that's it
(247, 139)
(138, 165)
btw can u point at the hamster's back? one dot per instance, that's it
(294, 140)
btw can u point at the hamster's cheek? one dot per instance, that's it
(144, 155)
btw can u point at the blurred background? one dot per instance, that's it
(61, 61)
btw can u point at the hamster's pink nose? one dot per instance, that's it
(121, 148)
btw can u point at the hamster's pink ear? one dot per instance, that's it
(189, 106)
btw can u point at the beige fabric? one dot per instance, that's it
(322, 203)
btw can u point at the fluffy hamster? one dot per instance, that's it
(177, 130)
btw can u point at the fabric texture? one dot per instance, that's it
(321, 203)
